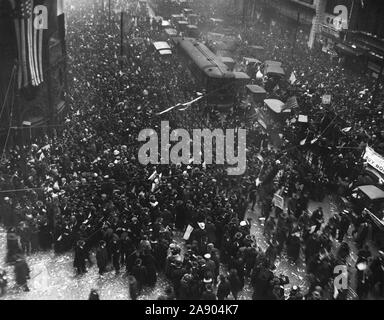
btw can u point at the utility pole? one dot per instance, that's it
(296, 30)
(109, 14)
(378, 81)
(121, 38)
(245, 6)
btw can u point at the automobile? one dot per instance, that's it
(369, 200)
(162, 48)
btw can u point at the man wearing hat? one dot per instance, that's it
(102, 257)
(139, 271)
(377, 272)
(343, 225)
(208, 293)
(210, 265)
(80, 257)
(22, 271)
(223, 288)
(317, 218)
(6, 212)
(12, 245)
(3, 282)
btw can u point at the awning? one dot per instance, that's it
(256, 89)
(349, 50)
(276, 106)
(372, 192)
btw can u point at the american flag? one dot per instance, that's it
(29, 44)
(291, 103)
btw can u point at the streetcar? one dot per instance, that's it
(209, 71)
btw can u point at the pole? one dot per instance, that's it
(121, 38)
(379, 78)
(296, 30)
(109, 8)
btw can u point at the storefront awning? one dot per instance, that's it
(347, 50)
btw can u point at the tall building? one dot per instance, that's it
(352, 29)
(33, 68)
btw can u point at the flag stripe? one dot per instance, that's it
(35, 61)
(24, 54)
(29, 44)
(41, 34)
(19, 71)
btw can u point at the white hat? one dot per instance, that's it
(362, 266)
(243, 223)
(201, 225)
(207, 256)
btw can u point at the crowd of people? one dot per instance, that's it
(82, 188)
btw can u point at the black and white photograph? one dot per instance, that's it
(208, 151)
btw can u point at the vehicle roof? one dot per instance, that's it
(251, 60)
(161, 45)
(171, 31)
(204, 58)
(241, 75)
(227, 59)
(255, 89)
(372, 192)
(276, 106)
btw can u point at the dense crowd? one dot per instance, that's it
(82, 187)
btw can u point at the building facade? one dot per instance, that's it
(352, 29)
(33, 68)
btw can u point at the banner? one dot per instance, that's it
(188, 232)
(326, 99)
(374, 159)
